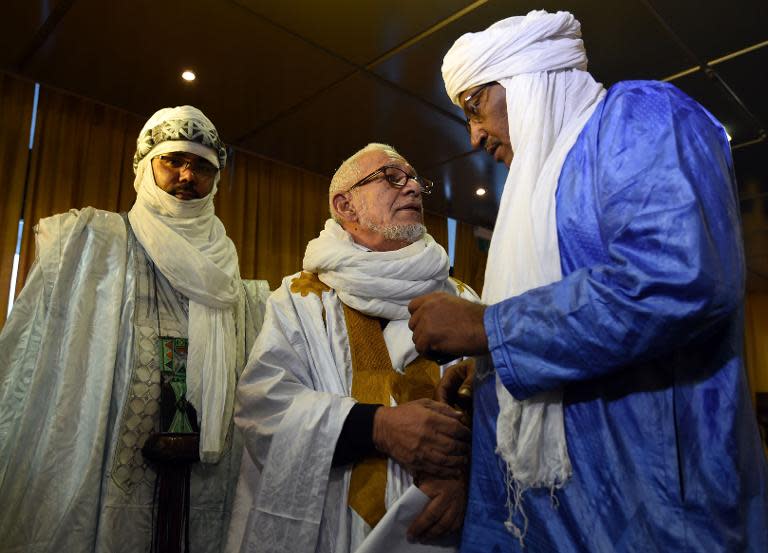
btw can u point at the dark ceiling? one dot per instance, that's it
(308, 82)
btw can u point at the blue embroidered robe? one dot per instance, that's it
(644, 334)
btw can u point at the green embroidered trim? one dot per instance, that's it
(173, 365)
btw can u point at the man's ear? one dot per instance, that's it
(344, 207)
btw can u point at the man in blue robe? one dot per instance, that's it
(611, 407)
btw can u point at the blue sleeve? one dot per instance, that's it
(658, 171)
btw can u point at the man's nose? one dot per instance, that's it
(412, 187)
(477, 135)
(186, 173)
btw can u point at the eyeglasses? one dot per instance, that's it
(396, 177)
(472, 108)
(198, 166)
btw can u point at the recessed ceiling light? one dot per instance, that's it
(188, 75)
(480, 191)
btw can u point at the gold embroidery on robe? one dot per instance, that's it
(306, 283)
(461, 287)
(374, 380)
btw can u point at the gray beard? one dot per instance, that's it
(409, 233)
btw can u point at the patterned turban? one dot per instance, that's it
(182, 123)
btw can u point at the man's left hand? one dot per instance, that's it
(444, 514)
(446, 326)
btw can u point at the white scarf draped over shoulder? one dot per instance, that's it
(188, 244)
(540, 61)
(379, 284)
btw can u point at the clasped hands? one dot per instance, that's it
(431, 439)
(433, 443)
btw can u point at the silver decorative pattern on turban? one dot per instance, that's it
(185, 123)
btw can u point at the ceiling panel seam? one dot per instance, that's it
(671, 32)
(711, 73)
(452, 158)
(717, 61)
(425, 33)
(43, 33)
(362, 69)
(291, 109)
(733, 55)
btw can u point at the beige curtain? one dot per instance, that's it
(270, 211)
(756, 340)
(82, 157)
(437, 226)
(469, 260)
(16, 98)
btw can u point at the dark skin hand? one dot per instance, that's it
(444, 514)
(446, 326)
(455, 387)
(426, 437)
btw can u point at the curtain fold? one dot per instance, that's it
(756, 340)
(437, 227)
(270, 211)
(82, 156)
(16, 99)
(469, 262)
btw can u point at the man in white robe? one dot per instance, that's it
(335, 404)
(81, 377)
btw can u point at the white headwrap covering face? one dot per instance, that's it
(540, 61)
(189, 245)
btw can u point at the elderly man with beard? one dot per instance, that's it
(130, 333)
(613, 412)
(335, 404)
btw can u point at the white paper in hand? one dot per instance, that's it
(390, 534)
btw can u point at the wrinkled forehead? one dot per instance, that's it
(372, 161)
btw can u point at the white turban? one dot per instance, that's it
(182, 123)
(190, 247)
(540, 41)
(540, 61)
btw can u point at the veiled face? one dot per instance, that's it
(183, 175)
(485, 107)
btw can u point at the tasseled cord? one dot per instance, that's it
(514, 503)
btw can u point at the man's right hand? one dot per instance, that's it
(424, 436)
(455, 387)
